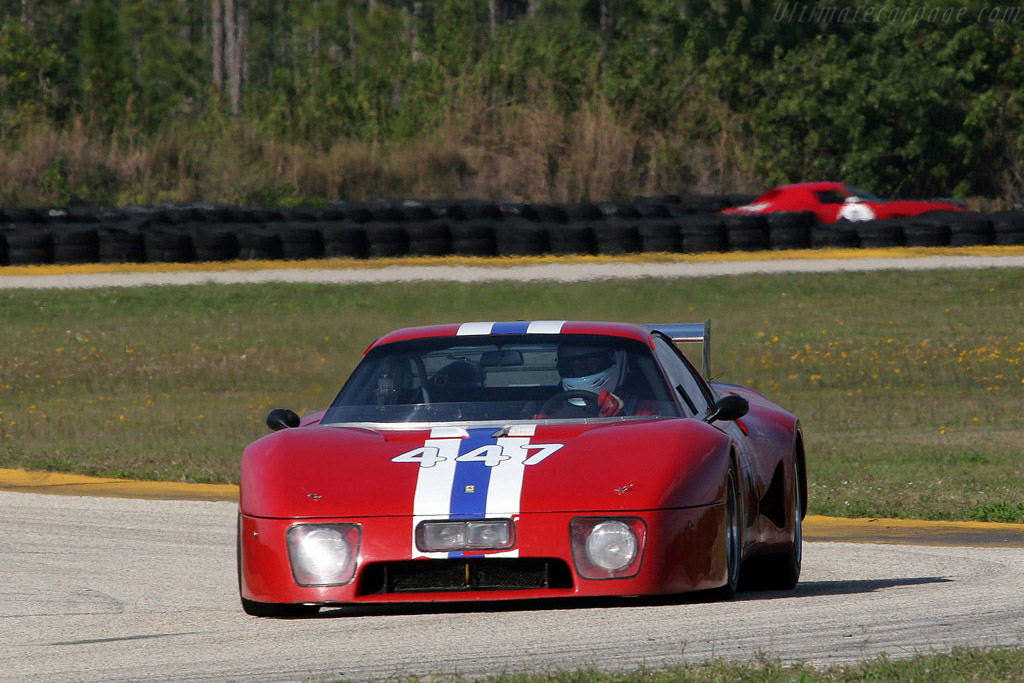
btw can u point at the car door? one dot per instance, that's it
(697, 398)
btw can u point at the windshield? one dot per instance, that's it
(502, 378)
(864, 194)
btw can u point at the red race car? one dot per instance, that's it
(522, 460)
(832, 202)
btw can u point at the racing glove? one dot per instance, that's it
(609, 405)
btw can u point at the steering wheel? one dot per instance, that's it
(591, 402)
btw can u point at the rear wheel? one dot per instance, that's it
(733, 539)
(781, 571)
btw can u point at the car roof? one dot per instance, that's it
(818, 185)
(626, 330)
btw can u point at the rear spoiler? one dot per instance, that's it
(691, 332)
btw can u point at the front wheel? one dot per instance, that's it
(733, 539)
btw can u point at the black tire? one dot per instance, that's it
(841, 235)
(1008, 228)
(168, 244)
(791, 229)
(474, 238)
(651, 208)
(386, 240)
(75, 243)
(622, 210)
(29, 245)
(781, 571)
(660, 235)
(299, 241)
(344, 239)
(733, 544)
(880, 234)
(615, 236)
(548, 213)
(214, 243)
(746, 232)
(257, 243)
(572, 238)
(429, 238)
(969, 230)
(518, 237)
(417, 211)
(925, 232)
(701, 203)
(583, 212)
(121, 244)
(703, 233)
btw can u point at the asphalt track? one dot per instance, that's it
(102, 584)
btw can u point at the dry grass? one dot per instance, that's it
(508, 150)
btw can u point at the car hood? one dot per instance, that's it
(477, 471)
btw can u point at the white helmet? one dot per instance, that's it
(590, 368)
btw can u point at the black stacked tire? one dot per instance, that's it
(660, 235)
(75, 243)
(1008, 228)
(344, 239)
(571, 238)
(121, 243)
(703, 233)
(429, 238)
(166, 243)
(214, 242)
(387, 239)
(299, 241)
(616, 236)
(880, 234)
(519, 237)
(258, 243)
(474, 238)
(925, 231)
(747, 232)
(839, 235)
(970, 230)
(791, 229)
(28, 244)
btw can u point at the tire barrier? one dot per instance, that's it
(468, 227)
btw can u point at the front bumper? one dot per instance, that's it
(684, 551)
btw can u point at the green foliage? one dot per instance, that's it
(909, 105)
(105, 84)
(998, 511)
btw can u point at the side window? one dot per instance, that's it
(682, 377)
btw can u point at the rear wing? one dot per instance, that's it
(691, 332)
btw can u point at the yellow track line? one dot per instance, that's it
(816, 527)
(499, 262)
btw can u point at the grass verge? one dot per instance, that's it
(962, 664)
(909, 384)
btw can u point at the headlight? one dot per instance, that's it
(474, 534)
(607, 548)
(323, 554)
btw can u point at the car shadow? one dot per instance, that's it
(805, 589)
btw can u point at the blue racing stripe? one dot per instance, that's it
(469, 488)
(518, 327)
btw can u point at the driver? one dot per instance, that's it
(596, 369)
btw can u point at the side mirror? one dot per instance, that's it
(282, 418)
(731, 407)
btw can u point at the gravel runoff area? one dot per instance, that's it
(51, 278)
